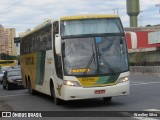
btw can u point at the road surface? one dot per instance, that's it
(144, 96)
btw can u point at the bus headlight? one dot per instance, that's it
(123, 79)
(71, 83)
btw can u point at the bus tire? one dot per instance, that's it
(57, 101)
(107, 99)
(30, 90)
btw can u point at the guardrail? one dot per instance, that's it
(145, 70)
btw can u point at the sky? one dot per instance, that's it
(24, 14)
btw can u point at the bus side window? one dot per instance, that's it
(55, 27)
(58, 62)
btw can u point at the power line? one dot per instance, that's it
(12, 5)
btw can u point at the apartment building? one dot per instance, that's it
(7, 45)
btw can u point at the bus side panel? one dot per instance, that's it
(45, 71)
(28, 66)
(40, 67)
(49, 73)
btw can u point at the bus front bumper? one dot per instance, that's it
(76, 93)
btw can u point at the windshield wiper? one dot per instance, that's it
(100, 56)
(90, 61)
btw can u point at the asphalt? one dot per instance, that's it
(144, 95)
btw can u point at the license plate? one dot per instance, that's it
(100, 91)
(19, 84)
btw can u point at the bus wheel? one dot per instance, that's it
(107, 99)
(30, 90)
(57, 101)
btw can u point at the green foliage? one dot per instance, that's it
(4, 56)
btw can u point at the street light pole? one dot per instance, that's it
(158, 5)
(115, 10)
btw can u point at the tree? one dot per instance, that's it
(4, 56)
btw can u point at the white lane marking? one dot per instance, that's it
(142, 118)
(152, 110)
(13, 95)
(149, 118)
(143, 83)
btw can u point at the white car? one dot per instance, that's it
(1, 76)
(2, 70)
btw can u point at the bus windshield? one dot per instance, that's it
(90, 26)
(14, 73)
(95, 55)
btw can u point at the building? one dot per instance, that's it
(144, 44)
(146, 38)
(7, 45)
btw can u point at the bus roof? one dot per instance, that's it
(40, 26)
(87, 16)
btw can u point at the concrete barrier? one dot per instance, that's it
(145, 70)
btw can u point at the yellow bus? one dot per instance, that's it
(76, 57)
(8, 63)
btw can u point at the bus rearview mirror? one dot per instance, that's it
(58, 44)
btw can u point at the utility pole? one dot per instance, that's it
(115, 10)
(158, 5)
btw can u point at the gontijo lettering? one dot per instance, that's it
(29, 60)
(80, 70)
